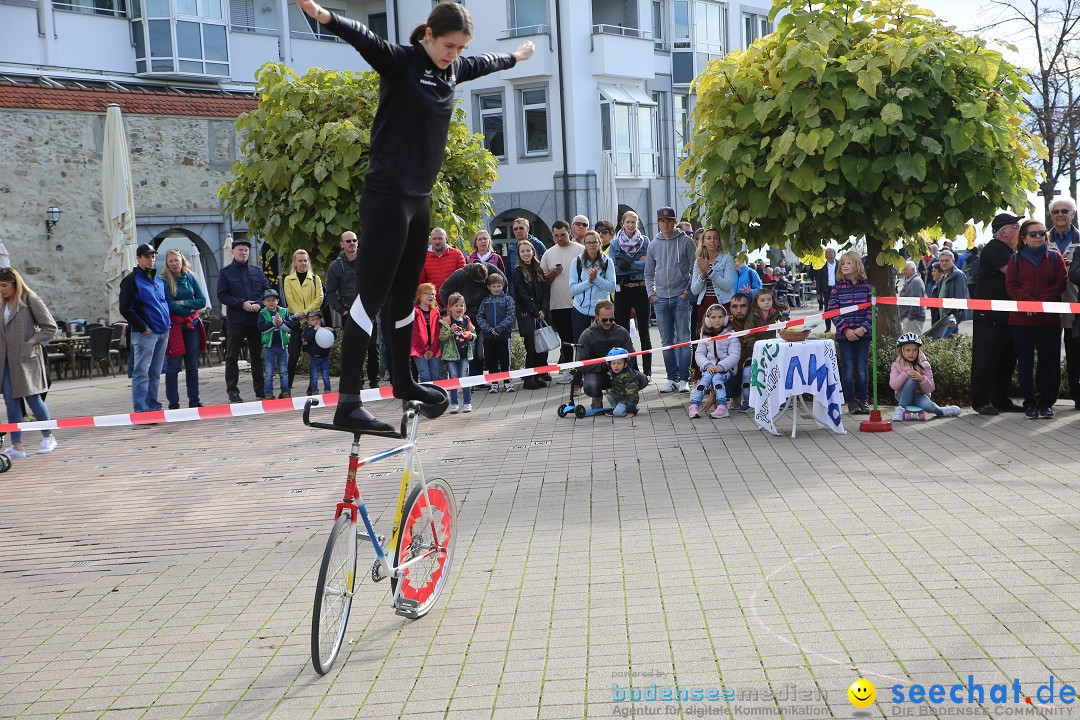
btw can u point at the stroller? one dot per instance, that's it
(5, 459)
(572, 406)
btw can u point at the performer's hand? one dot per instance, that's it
(524, 50)
(312, 9)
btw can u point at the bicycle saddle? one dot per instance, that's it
(428, 410)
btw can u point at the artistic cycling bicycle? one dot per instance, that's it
(422, 540)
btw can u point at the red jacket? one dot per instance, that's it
(1024, 281)
(437, 269)
(426, 337)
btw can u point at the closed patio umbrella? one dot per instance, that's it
(118, 194)
(197, 268)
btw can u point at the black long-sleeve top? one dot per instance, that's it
(416, 102)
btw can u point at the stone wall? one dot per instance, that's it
(54, 158)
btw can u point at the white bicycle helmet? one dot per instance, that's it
(908, 337)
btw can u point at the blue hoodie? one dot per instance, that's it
(496, 313)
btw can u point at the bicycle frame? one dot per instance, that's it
(355, 503)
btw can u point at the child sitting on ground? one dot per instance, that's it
(275, 324)
(764, 310)
(912, 380)
(625, 385)
(717, 360)
(318, 356)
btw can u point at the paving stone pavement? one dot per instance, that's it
(168, 571)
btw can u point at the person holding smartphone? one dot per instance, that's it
(561, 302)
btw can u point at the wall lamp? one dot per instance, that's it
(52, 216)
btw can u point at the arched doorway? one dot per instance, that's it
(502, 231)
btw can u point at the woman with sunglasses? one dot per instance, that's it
(27, 325)
(408, 143)
(1036, 272)
(606, 230)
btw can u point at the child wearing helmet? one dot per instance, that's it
(912, 380)
(717, 360)
(625, 385)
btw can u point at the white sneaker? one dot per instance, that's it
(454, 409)
(564, 379)
(684, 386)
(47, 445)
(669, 386)
(17, 454)
(467, 407)
(508, 387)
(950, 410)
(898, 415)
(494, 388)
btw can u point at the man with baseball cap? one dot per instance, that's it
(993, 358)
(240, 288)
(668, 262)
(143, 305)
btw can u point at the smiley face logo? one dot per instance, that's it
(862, 693)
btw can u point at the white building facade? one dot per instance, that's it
(592, 124)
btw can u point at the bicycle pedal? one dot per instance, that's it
(376, 571)
(407, 608)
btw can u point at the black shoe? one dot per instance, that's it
(174, 407)
(260, 397)
(864, 409)
(285, 395)
(353, 416)
(546, 377)
(987, 410)
(434, 401)
(196, 405)
(1076, 405)
(1009, 407)
(1046, 412)
(235, 398)
(1031, 412)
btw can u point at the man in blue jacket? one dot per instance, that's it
(240, 289)
(143, 305)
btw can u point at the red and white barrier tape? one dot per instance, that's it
(1033, 306)
(265, 407)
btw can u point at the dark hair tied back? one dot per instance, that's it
(445, 18)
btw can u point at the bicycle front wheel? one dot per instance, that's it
(428, 531)
(333, 594)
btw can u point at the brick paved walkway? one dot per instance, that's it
(168, 572)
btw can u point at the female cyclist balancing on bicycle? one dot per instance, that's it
(408, 141)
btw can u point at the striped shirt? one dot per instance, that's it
(848, 293)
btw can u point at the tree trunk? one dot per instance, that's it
(883, 278)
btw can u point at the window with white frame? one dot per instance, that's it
(528, 16)
(681, 122)
(659, 36)
(755, 27)
(628, 127)
(699, 32)
(180, 36)
(492, 122)
(533, 103)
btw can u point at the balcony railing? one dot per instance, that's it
(301, 35)
(103, 9)
(524, 31)
(253, 30)
(622, 31)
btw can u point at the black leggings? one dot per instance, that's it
(390, 256)
(636, 297)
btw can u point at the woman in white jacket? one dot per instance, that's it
(717, 360)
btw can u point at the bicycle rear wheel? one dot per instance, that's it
(333, 594)
(428, 531)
